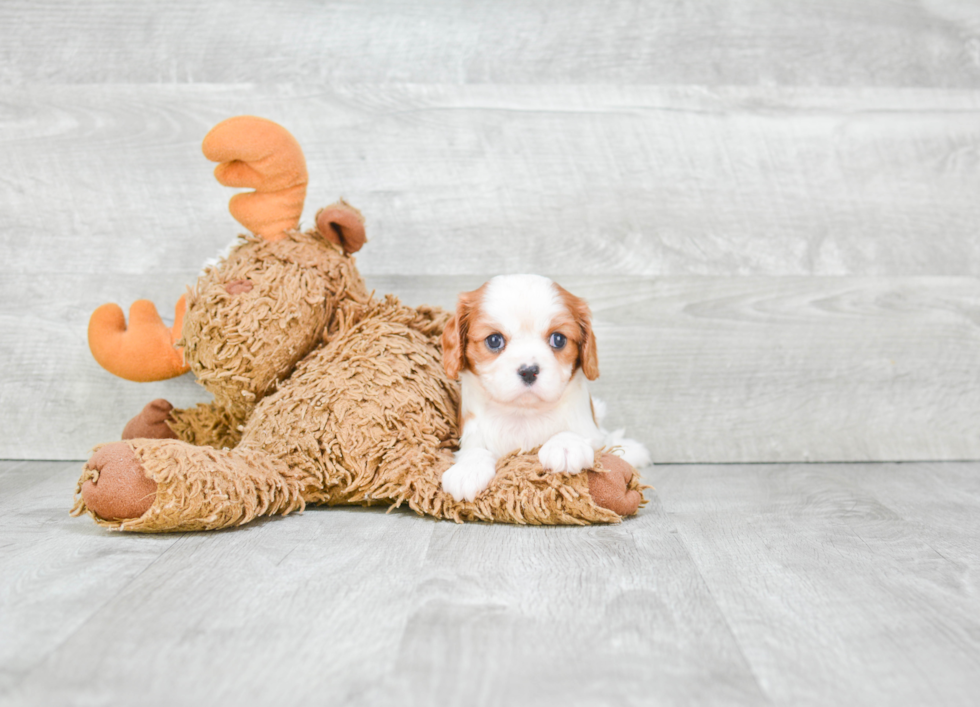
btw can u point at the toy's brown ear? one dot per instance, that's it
(342, 225)
(587, 352)
(454, 335)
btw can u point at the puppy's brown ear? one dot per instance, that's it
(453, 343)
(587, 353)
(454, 336)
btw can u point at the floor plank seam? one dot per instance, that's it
(676, 532)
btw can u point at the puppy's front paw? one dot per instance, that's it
(472, 472)
(566, 452)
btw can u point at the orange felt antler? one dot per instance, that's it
(262, 155)
(143, 352)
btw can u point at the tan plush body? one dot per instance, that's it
(323, 394)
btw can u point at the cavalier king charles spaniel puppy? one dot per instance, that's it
(523, 349)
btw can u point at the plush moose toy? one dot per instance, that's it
(323, 394)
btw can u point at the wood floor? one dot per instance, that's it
(738, 584)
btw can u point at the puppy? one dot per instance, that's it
(523, 349)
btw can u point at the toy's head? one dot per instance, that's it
(251, 317)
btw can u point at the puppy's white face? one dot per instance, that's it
(522, 337)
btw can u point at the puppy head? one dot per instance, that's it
(523, 337)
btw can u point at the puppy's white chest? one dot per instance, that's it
(523, 431)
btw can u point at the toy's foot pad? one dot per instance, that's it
(151, 422)
(610, 489)
(121, 490)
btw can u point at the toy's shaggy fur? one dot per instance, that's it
(323, 394)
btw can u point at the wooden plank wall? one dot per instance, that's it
(774, 209)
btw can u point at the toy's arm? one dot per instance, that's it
(142, 352)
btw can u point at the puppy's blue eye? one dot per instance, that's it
(494, 342)
(557, 341)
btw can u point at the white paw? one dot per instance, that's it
(473, 471)
(629, 449)
(566, 452)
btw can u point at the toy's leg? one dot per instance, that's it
(524, 493)
(207, 425)
(618, 489)
(168, 485)
(151, 422)
(204, 425)
(119, 488)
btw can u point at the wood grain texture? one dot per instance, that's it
(607, 615)
(700, 369)
(833, 595)
(604, 144)
(737, 585)
(688, 167)
(359, 607)
(310, 616)
(474, 179)
(56, 576)
(780, 369)
(753, 42)
(939, 500)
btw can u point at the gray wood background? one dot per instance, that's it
(772, 207)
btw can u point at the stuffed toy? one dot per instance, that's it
(323, 393)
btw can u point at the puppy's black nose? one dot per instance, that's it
(528, 373)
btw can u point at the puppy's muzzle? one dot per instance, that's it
(528, 374)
